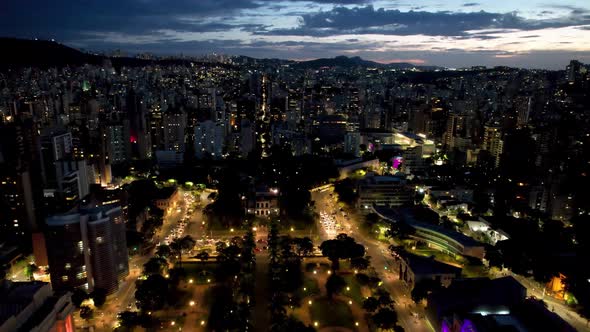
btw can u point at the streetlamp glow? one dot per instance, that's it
(309, 302)
(191, 303)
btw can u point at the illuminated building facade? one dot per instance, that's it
(87, 249)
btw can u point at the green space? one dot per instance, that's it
(310, 287)
(331, 313)
(200, 272)
(352, 289)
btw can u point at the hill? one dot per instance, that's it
(41, 53)
(351, 62)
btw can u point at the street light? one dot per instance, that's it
(191, 303)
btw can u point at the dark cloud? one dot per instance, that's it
(66, 19)
(368, 20)
(470, 4)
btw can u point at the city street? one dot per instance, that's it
(410, 316)
(124, 298)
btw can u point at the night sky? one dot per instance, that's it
(533, 33)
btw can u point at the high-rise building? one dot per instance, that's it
(17, 216)
(246, 137)
(87, 249)
(573, 71)
(117, 142)
(209, 139)
(174, 126)
(352, 143)
(523, 105)
(493, 143)
(455, 128)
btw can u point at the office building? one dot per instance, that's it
(34, 307)
(87, 249)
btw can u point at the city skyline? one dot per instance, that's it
(532, 34)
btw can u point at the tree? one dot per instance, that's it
(30, 271)
(78, 296)
(423, 287)
(86, 313)
(399, 230)
(128, 319)
(341, 247)
(385, 299)
(151, 293)
(385, 318)
(304, 246)
(156, 265)
(362, 279)
(99, 296)
(203, 256)
(179, 245)
(334, 285)
(291, 324)
(370, 304)
(3, 271)
(163, 251)
(360, 263)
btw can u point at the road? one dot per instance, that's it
(381, 260)
(555, 305)
(124, 298)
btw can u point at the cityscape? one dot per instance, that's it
(301, 165)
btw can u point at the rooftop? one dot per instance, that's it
(428, 265)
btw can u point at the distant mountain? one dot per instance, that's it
(351, 62)
(44, 53)
(41, 53)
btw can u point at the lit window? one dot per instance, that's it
(99, 239)
(64, 278)
(68, 266)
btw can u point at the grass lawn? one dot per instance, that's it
(354, 291)
(331, 313)
(310, 287)
(200, 272)
(475, 271)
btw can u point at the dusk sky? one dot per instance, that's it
(532, 33)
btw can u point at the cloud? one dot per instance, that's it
(369, 20)
(471, 4)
